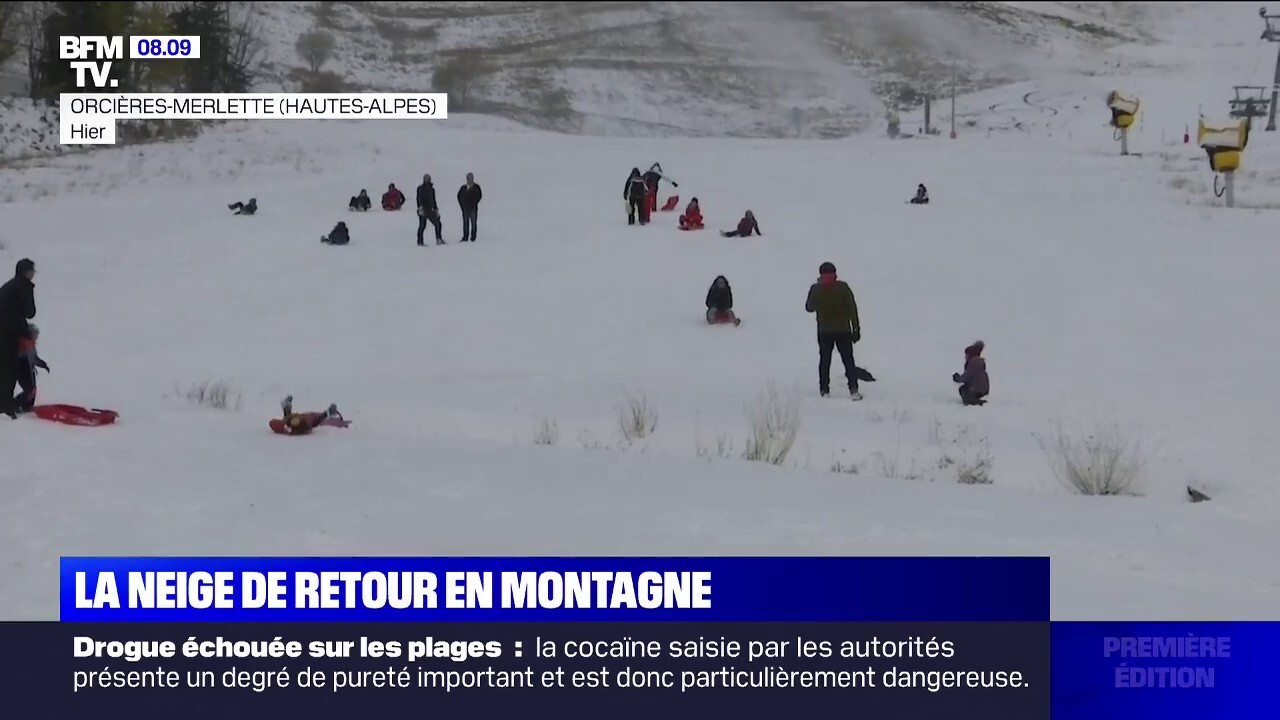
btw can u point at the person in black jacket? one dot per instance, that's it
(428, 210)
(469, 200)
(720, 303)
(635, 193)
(248, 208)
(17, 306)
(651, 180)
(361, 202)
(337, 236)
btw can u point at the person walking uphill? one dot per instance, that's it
(636, 195)
(17, 306)
(469, 196)
(832, 301)
(428, 210)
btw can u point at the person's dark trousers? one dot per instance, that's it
(8, 373)
(27, 381)
(236, 206)
(633, 209)
(843, 343)
(469, 224)
(968, 397)
(434, 219)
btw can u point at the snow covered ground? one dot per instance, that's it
(1108, 290)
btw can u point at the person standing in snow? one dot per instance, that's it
(428, 210)
(469, 196)
(831, 300)
(975, 384)
(636, 195)
(17, 306)
(651, 180)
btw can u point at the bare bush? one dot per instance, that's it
(547, 433)
(845, 466)
(315, 48)
(636, 419)
(722, 450)
(775, 422)
(976, 470)
(1105, 462)
(324, 82)
(458, 76)
(217, 394)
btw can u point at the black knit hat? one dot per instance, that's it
(826, 268)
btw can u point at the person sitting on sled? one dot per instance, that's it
(305, 422)
(28, 360)
(392, 199)
(248, 208)
(361, 202)
(922, 196)
(720, 303)
(746, 226)
(974, 381)
(337, 236)
(692, 217)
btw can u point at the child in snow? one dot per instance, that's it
(28, 360)
(746, 226)
(392, 199)
(361, 202)
(922, 196)
(692, 217)
(974, 382)
(303, 423)
(248, 208)
(720, 303)
(337, 236)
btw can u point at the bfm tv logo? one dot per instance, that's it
(100, 47)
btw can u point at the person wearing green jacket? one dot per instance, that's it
(831, 300)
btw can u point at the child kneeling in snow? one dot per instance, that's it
(28, 360)
(974, 382)
(720, 303)
(692, 217)
(303, 423)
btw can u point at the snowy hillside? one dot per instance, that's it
(726, 69)
(486, 381)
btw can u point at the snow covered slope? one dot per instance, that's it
(1108, 289)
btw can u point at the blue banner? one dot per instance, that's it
(487, 589)
(1166, 670)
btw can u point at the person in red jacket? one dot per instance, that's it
(692, 217)
(392, 199)
(974, 381)
(746, 226)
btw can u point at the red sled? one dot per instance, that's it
(671, 203)
(75, 415)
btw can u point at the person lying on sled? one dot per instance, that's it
(720, 303)
(692, 217)
(304, 422)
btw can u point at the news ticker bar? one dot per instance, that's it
(90, 118)
(514, 589)
(1024, 670)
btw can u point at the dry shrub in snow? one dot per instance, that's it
(1105, 462)
(722, 450)
(636, 419)
(775, 422)
(216, 394)
(547, 433)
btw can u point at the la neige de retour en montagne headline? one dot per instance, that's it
(397, 590)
